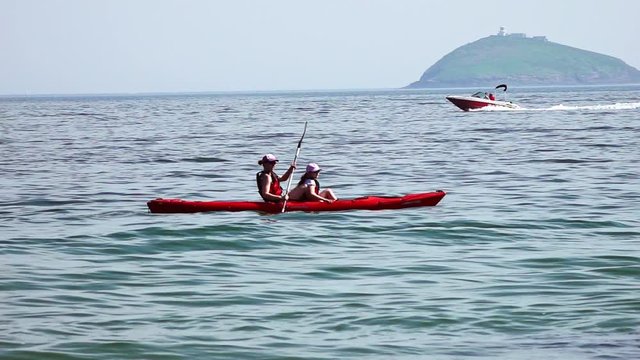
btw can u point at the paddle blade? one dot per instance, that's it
(302, 137)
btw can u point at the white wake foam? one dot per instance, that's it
(561, 107)
(616, 106)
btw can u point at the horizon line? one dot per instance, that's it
(249, 92)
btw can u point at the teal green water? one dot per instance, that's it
(533, 254)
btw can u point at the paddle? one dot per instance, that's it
(284, 205)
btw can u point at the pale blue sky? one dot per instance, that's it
(130, 46)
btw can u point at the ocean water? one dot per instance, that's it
(533, 254)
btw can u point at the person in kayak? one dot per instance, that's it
(269, 182)
(308, 189)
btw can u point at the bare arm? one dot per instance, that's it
(311, 194)
(288, 173)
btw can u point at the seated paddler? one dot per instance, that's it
(269, 182)
(308, 188)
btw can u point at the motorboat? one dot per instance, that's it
(481, 100)
(478, 101)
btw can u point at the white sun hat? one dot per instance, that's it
(268, 158)
(313, 167)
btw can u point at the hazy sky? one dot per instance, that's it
(114, 46)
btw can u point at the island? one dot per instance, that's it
(524, 61)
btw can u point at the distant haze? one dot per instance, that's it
(117, 46)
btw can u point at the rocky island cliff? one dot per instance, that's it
(524, 61)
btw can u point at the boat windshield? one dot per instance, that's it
(480, 94)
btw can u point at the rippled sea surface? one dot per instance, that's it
(533, 254)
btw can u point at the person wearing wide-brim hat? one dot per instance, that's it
(269, 182)
(308, 189)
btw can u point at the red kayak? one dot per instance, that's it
(363, 203)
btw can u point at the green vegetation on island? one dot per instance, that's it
(524, 61)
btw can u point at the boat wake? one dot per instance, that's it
(561, 107)
(616, 106)
(497, 108)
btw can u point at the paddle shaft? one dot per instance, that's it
(295, 158)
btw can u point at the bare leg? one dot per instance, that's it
(328, 193)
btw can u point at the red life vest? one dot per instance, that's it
(275, 188)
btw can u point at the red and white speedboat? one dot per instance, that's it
(480, 100)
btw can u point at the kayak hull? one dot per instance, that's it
(172, 206)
